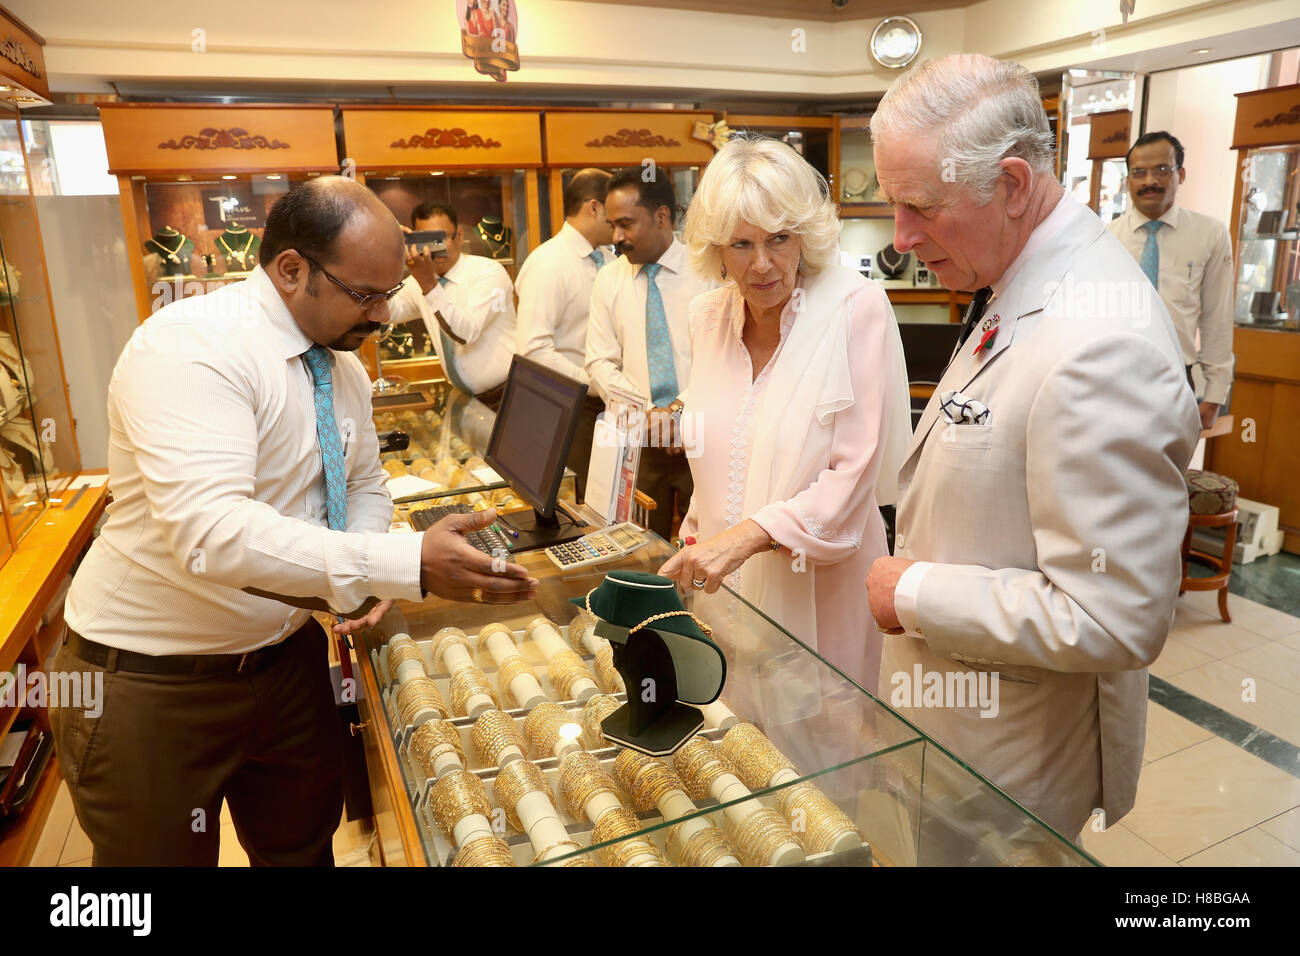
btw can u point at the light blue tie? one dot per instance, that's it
(1151, 253)
(449, 353)
(597, 257)
(327, 433)
(658, 343)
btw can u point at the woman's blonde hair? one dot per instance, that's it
(765, 183)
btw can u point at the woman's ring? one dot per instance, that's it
(699, 583)
(478, 595)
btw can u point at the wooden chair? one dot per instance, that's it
(1212, 503)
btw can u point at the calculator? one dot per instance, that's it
(608, 544)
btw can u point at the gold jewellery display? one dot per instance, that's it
(434, 739)
(494, 732)
(457, 795)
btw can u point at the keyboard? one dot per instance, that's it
(489, 540)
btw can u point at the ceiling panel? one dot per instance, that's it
(802, 9)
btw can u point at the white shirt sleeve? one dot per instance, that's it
(1217, 288)
(541, 306)
(905, 597)
(489, 293)
(604, 348)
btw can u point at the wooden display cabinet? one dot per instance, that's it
(210, 174)
(1263, 450)
(618, 139)
(482, 162)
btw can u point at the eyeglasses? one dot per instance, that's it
(1160, 172)
(367, 300)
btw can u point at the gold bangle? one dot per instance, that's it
(513, 781)
(621, 825)
(573, 843)
(707, 846)
(542, 728)
(760, 835)
(610, 680)
(699, 763)
(484, 850)
(565, 669)
(817, 823)
(446, 637)
(536, 623)
(467, 682)
(416, 694)
(645, 779)
(495, 628)
(581, 778)
(597, 708)
(578, 627)
(755, 758)
(431, 740)
(406, 650)
(493, 732)
(456, 795)
(511, 668)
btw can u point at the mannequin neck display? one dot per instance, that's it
(172, 248)
(496, 236)
(240, 248)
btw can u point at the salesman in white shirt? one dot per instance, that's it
(638, 334)
(469, 308)
(247, 487)
(1188, 258)
(554, 289)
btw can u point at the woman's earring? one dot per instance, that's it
(800, 269)
(724, 272)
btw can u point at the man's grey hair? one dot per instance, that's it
(985, 109)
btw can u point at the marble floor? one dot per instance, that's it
(1220, 784)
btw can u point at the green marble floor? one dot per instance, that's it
(1274, 581)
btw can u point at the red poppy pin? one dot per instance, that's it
(990, 329)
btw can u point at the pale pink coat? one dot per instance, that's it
(835, 521)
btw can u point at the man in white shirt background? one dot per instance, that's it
(554, 289)
(469, 308)
(247, 487)
(1188, 258)
(638, 334)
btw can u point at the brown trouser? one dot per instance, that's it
(147, 776)
(667, 479)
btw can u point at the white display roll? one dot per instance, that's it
(674, 804)
(782, 775)
(591, 641)
(409, 669)
(719, 716)
(599, 803)
(534, 810)
(527, 691)
(547, 638)
(467, 828)
(454, 657)
(565, 746)
(445, 762)
(509, 754)
(846, 841)
(477, 704)
(728, 787)
(584, 688)
(501, 646)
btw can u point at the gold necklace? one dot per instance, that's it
(241, 255)
(495, 237)
(171, 253)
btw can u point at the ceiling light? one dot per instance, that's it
(229, 176)
(1204, 50)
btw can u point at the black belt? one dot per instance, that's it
(114, 659)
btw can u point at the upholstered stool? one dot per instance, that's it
(1212, 500)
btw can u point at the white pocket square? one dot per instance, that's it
(957, 408)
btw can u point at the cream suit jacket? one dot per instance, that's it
(1055, 528)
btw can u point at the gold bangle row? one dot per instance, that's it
(565, 669)
(571, 861)
(493, 732)
(597, 708)
(456, 795)
(607, 675)
(581, 778)
(485, 850)
(416, 694)
(699, 763)
(512, 781)
(536, 623)
(760, 835)
(620, 825)
(402, 650)
(645, 779)
(511, 668)
(755, 758)
(580, 624)
(468, 681)
(432, 739)
(707, 846)
(447, 637)
(542, 728)
(815, 819)
(495, 628)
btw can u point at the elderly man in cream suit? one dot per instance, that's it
(1042, 499)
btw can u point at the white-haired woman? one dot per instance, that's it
(799, 393)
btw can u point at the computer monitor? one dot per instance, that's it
(530, 443)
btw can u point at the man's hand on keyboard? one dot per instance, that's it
(452, 568)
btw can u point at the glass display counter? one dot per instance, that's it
(1268, 234)
(482, 728)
